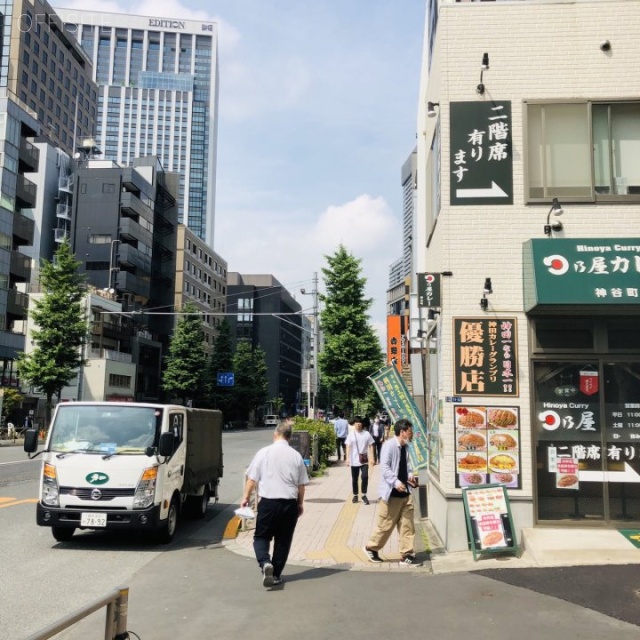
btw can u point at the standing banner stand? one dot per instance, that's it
(490, 527)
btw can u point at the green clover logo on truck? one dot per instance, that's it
(97, 478)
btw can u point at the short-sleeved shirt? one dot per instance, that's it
(278, 470)
(342, 428)
(358, 442)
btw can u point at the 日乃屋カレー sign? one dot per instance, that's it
(481, 162)
(591, 271)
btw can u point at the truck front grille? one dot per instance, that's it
(84, 493)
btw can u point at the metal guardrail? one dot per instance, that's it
(117, 603)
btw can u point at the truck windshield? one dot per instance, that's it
(105, 429)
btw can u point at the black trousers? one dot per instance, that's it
(277, 519)
(377, 445)
(355, 472)
(340, 445)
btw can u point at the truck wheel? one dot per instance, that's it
(197, 505)
(168, 530)
(62, 534)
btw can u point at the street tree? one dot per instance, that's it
(11, 398)
(60, 327)
(183, 376)
(351, 350)
(251, 382)
(220, 361)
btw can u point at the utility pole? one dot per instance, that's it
(312, 387)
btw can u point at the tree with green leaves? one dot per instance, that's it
(351, 350)
(183, 376)
(221, 361)
(11, 398)
(60, 327)
(251, 382)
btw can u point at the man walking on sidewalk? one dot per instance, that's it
(341, 427)
(279, 473)
(395, 508)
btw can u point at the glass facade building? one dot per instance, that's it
(158, 93)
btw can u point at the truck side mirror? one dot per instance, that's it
(165, 446)
(30, 440)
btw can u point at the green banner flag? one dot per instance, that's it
(399, 404)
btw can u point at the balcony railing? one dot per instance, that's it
(63, 211)
(110, 354)
(66, 184)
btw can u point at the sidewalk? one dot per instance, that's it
(332, 532)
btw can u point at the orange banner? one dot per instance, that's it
(394, 341)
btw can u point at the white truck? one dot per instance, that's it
(127, 466)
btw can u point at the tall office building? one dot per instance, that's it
(158, 95)
(45, 88)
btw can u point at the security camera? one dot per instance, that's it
(605, 46)
(556, 226)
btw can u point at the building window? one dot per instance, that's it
(583, 151)
(120, 381)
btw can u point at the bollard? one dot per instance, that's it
(122, 611)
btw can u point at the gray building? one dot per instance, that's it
(262, 311)
(124, 230)
(45, 86)
(158, 95)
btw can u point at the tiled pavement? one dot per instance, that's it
(333, 530)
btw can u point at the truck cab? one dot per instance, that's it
(127, 466)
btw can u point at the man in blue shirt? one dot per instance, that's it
(341, 427)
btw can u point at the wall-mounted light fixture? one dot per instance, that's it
(483, 67)
(556, 210)
(431, 109)
(432, 314)
(486, 290)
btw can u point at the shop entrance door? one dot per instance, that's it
(587, 436)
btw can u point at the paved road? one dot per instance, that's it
(612, 590)
(202, 590)
(42, 580)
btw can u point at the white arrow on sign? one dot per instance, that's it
(628, 475)
(494, 191)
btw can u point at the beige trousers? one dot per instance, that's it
(398, 512)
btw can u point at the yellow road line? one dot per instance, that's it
(6, 499)
(13, 504)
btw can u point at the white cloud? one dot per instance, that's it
(292, 248)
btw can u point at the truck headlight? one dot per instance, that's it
(50, 489)
(146, 489)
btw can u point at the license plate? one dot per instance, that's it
(93, 520)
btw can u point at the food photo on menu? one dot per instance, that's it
(487, 445)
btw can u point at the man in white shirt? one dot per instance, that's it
(280, 475)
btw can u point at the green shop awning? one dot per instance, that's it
(590, 275)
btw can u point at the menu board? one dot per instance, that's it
(489, 522)
(487, 445)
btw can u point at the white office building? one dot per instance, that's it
(158, 95)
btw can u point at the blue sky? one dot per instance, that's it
(318, 107)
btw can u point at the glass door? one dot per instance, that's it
(622, 424)
(569, 438)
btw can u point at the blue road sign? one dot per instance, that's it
(226, 379)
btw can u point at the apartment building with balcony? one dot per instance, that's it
(123, 229)
(201, 278)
